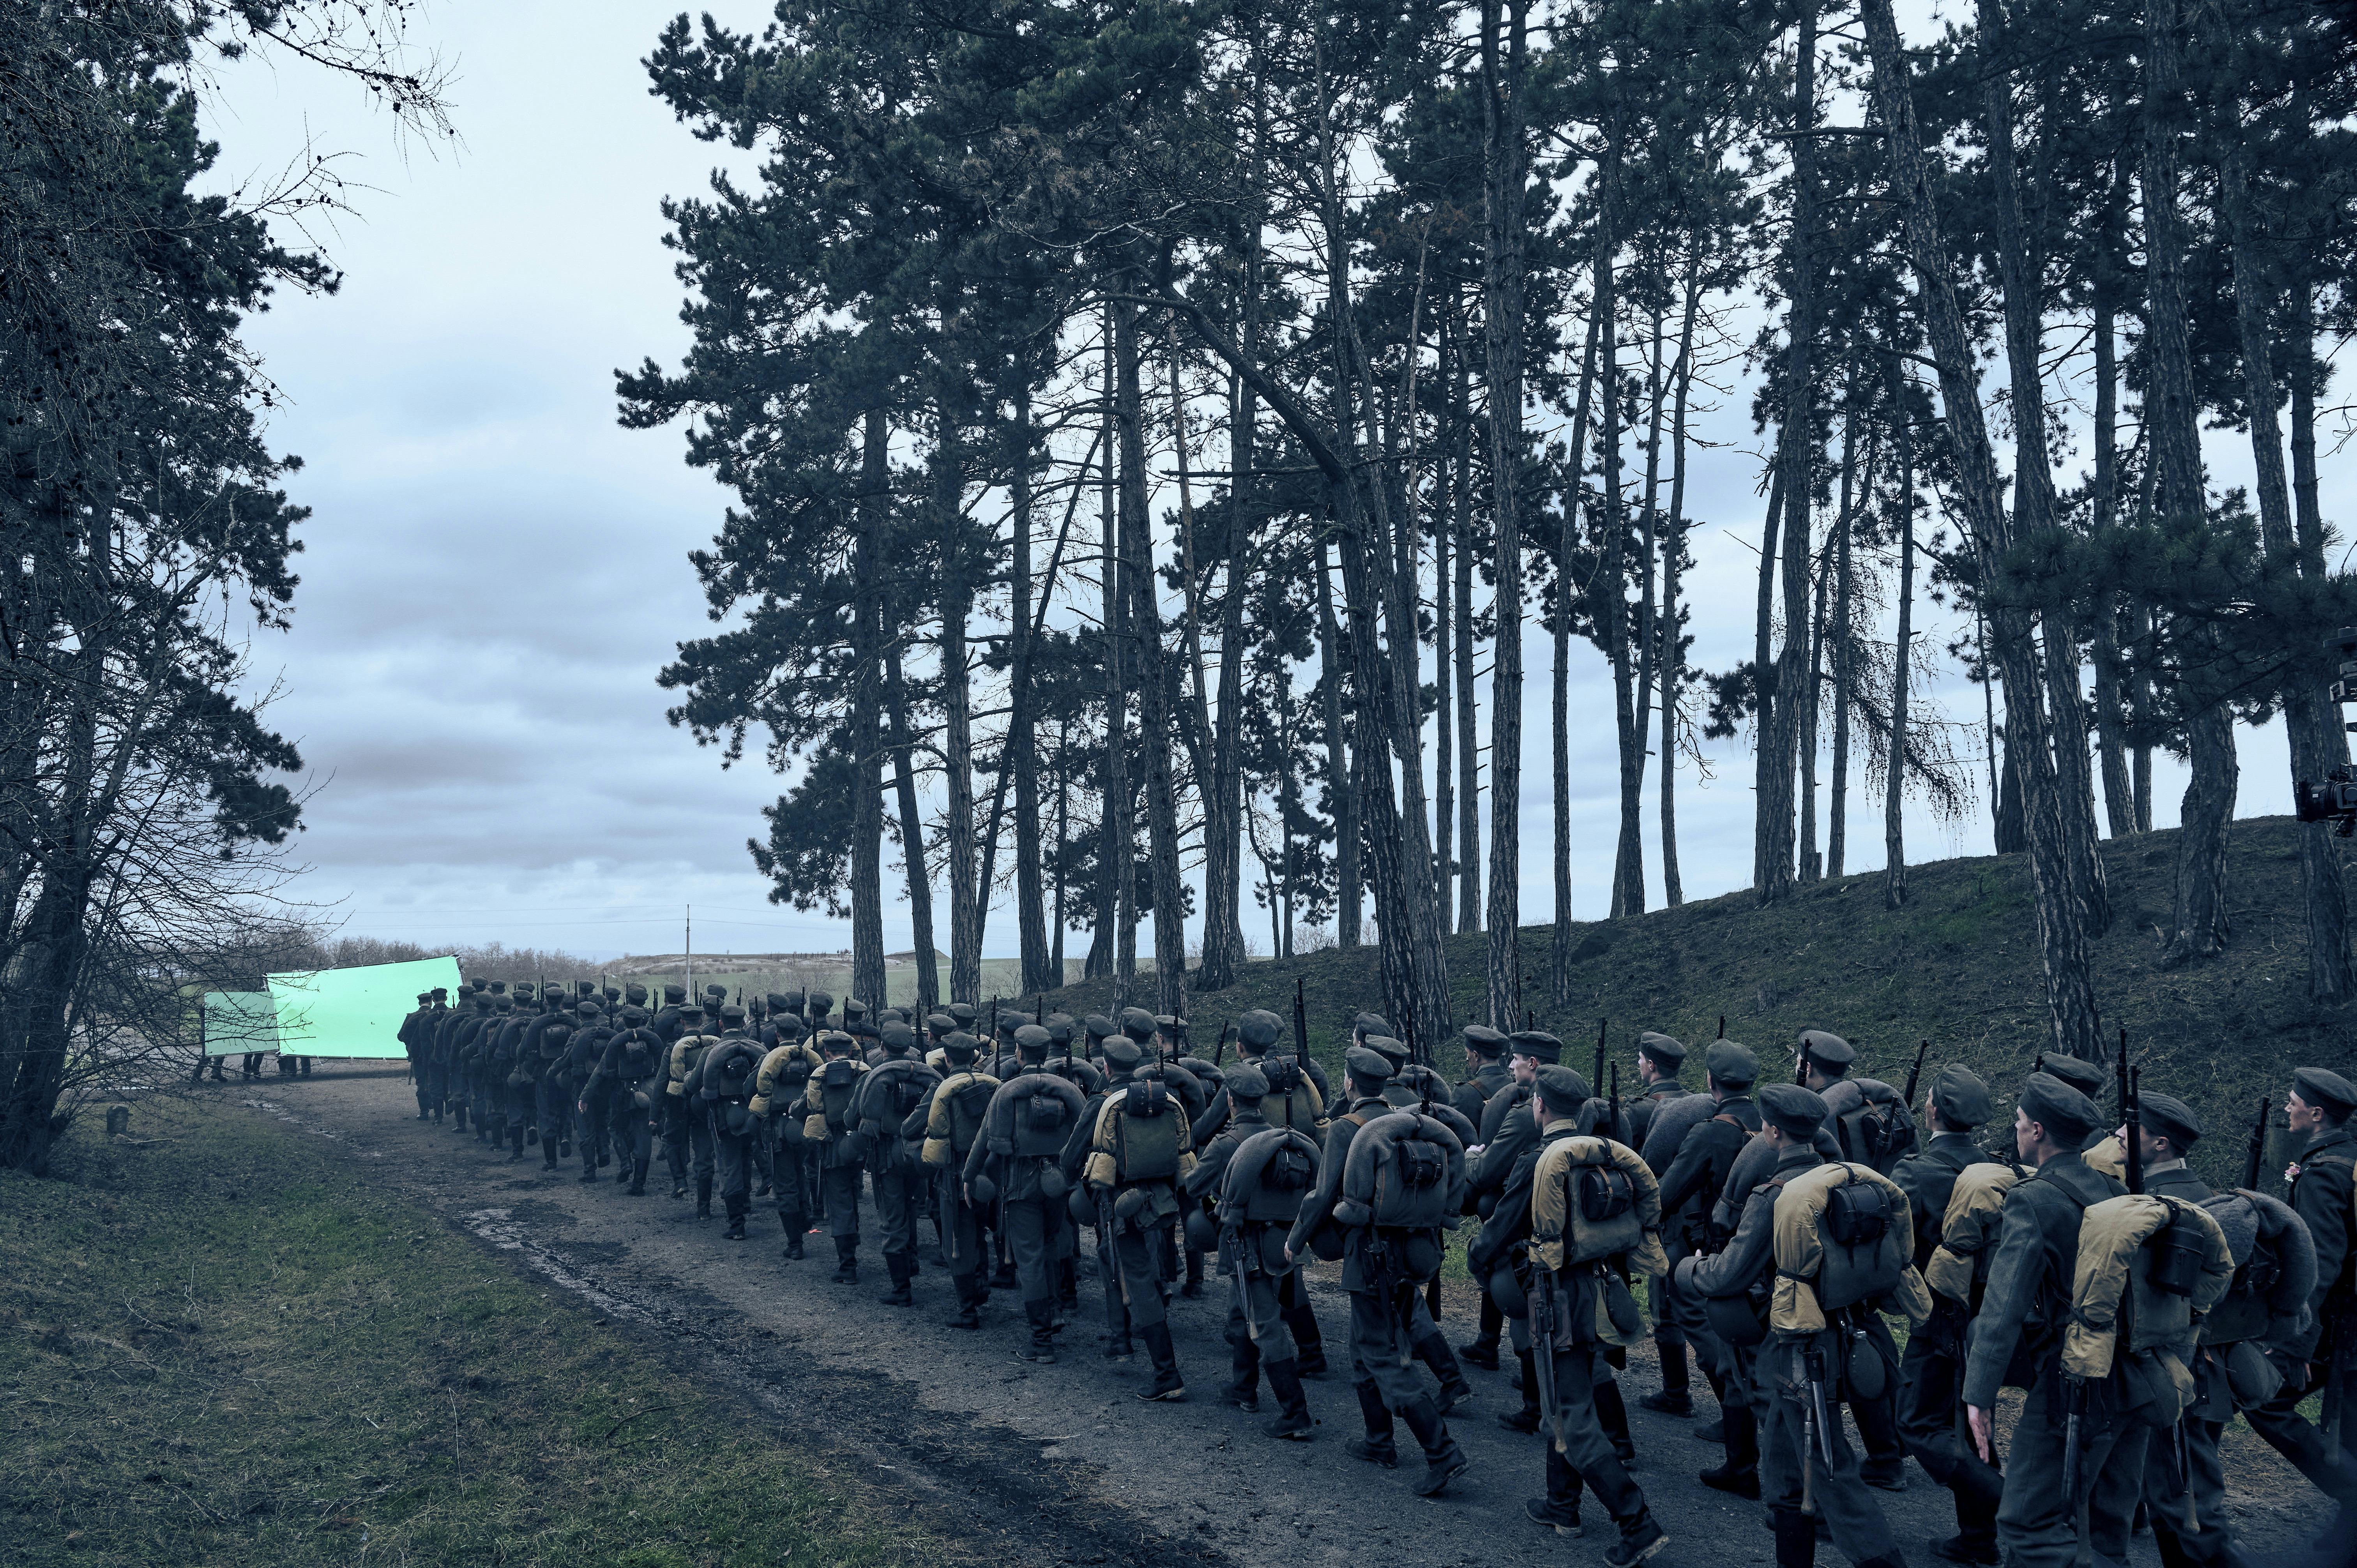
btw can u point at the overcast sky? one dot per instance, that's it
(495, 569)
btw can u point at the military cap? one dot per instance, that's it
(2067, 1115)
(498, 986)
(939, 1025)
(1366, 1065)
(891, 1015)
(523, 988)
(691, 1012)
(443, 992)
(672, 995)
(958, 1047)
(714, 988)
(965, 1013)
(1257, 1030)
(853, 1008)
(898, 1036)
(634, 994)
(1664, 1048)
(836, 1040)
(1169, 1025)
(785, 1001)
(1732, 1064)
(1828, 1051)
(588, 1008)
(1797, 1112)
(1032, 1041)
(632, 1016)
(2085, 1077)
(1960, 1096)
(2166, 1116)
(732, 1014)
(1062, 1028)
(1368, 1024)
(504, 1004)
(1008, 1021)
(1137, 1023)
(1391, 1050)
(1562, 1090)
(1121, 1053)
(1483, 1040)
(1246, 1083)
(590, 988)
(612, 994)
(476, 982)
(1537, 1045)
(1099, 1027)
(2325, 1089)
(789, 1027)
(821, 1004)
(425, 996)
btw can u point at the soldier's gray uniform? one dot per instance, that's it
(893, 1089)
(1015, 1167)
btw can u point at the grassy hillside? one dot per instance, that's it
(1959, 966)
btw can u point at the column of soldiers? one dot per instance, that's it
(1771, 1231)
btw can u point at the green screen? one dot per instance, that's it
(239, 1021)
(354, 1012)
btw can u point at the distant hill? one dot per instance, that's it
(1959, 966)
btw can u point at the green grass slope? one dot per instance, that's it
(1958, 966)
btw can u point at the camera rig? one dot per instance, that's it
(2334, 799)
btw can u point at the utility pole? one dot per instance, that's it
(690, 952)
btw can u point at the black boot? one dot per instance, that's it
(704, 1198)
(1068, 1285)
(1796, 1538)
(1443, 1460)
(1674, 1399)
(1528, 1418)
(971, 1293)
(638, 1179)
(1613, 1416)
(1739, 1476)
(795, 1226)
(1640, 1539)
(1376, 1446)
(1560, 1507)
(1168, 1384)
(515, 1143)
(1308, 1343)
(532, 1132)
(847, 1259)
(1194, 1285)
(736, 1231)
(1483, 1351)
(1042, 1348)
(1434, 1352)
(901, 1294)
(1292, 1402)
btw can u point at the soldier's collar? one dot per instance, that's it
(1561, 1127)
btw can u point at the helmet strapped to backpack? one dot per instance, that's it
(1401, 1174)
(1147, 1129)
(1592, 1199)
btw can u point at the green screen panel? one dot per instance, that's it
(240, 1021)
(354, 1012)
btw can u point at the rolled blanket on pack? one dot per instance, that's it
(1843, 1237)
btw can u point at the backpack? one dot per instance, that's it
(1400, 1171)
(2150, 1263)
(1293, 1093)
(1877, 1130)
(1843, 1239)
(838, 1085)
(960, 1108)
(1268, 1179)
(1147, 1127)
(1043, 1125)
(1591, 1199)
(1960, 1262)
(2275, 1272)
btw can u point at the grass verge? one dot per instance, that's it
(217, 1347)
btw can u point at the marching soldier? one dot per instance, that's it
(896, 1085)
(721, 1090)
(687, 1131)
(1256, 1176)
(831, 1123)
(1015, 1167)
(1930, 1373)
(2316, 1359)
(778, 1087)
(1693, 1187)
(1389, 1241)
(630, 1076)
(1137, 1149)
(1660, 1060)
(2023, 1308)
(951, 1117)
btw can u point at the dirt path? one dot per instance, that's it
(1057, 1458)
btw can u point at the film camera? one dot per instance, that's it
(2334, 799)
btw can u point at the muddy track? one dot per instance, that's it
(1059, 1464)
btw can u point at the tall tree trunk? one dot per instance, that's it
(2173, 417)
(1022, 752)
(1116, 857)
(1836, 806)
(1772, 850)
(1894, 838)
(1810, 864)
(959, 840)
(1673, 552)
(866, 740)
(1448, 486)
(2111, 732)
(1468, 754)
(1611, 598)
(1063, 850)
(1559, 684)
(1155, 717)
(1504, 162)
(2306, 508)
(1342, 780)
(2062, 918)
(913, 823)
(2308, 719)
